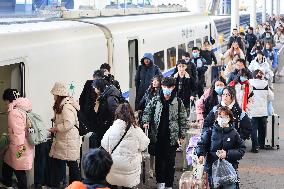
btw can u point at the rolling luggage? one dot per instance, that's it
(272, 131)
(145, 176)
(84, 149)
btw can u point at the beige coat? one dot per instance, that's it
(66, 143)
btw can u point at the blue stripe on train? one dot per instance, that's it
(165, 74)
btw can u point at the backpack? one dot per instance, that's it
(84, 126)
(37, 132)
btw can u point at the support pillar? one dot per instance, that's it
(263, 11)
(271, 8)
(253, 14)
(235, 15)
(277, 7)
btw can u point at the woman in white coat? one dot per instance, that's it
(127, 156)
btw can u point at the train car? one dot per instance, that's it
(34, 55)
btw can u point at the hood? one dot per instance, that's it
(217, 127)
(259, 84)
(110, 91)
(148, 56)
(22, 103)
(71, 101)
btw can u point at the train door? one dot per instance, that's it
(133, 65)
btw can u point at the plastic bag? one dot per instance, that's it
(223, 173)
(189, 150)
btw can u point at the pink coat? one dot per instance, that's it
(200, 105)
(18, 135)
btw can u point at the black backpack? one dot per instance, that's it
(84, 124)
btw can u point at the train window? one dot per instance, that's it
(160, 60)
(181, 50)
(172, 57)
(198, 43)
(190, 45)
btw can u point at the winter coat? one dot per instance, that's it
(201, 68)
(18, 135)
(269, 55)
(66, 142)
(235, 74)
(228, 58)
(191, 70)
(279, 40)
(111, 80)
(147, 98)
(127, 158)
(144, 76)
(251, 39)
(262, 95)
(177, 121)
(264, 66)
(219, 138)
(208, 104)
(87, 103)
(230, 67)
(209, 56)
(200, 105)
(241, 120)
(185, 88)
(108, 102)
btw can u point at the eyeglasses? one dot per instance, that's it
(226, 94)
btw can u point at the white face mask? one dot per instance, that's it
(223, 121)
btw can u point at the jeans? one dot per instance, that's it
(258, 131)
(7, 173)
(165, 164)
(58, 165)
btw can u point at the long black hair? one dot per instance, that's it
(213, 95)
(152, 90)
(10, 95)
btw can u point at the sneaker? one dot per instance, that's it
(254, 150)
(161, 185)
(169, 188)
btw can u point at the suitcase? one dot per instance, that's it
(84, 149)
(145, 167)
(272, 131)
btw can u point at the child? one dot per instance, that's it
(221, 142)
(96, 165)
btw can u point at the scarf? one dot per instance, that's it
(246, 92)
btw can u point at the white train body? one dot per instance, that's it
(70, 51)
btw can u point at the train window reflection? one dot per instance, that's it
(190, 45)
(172, 57)
(198, 43)
(160, 60)
(181, 50)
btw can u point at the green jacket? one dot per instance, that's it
(4, 141)
(152, 114)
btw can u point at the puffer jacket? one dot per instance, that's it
(242, 122)
(264, 66)
(18, 135)
(185, 88)
(147, 98)
(152, 115)
(127, 158)
(200, 105)
(232, 76)
(219, 138)
(144, 75)
(262, 95)
(66, 142)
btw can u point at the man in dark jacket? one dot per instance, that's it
(201, 69)
(240, 64)
(235, 37)
(190, 69)
(165, 116)
(251, 40)
(208, 54)
(106, 104)
(145, 72)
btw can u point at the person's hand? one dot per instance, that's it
(53, 129)
(192, 98)
(146, 126)
(222, 154)
(201, 159)
(180, 141)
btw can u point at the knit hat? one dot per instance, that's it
(60, 89)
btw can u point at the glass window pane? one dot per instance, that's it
(190, 45)
(160, 60)
(198, 43)
(181, 50)
(172, 57)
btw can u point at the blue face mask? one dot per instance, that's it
(243, 79)
(195, 55)
(219, 90)
(167, 91)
